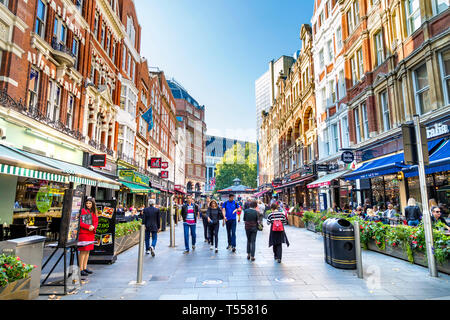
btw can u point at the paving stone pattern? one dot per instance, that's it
(303, 274)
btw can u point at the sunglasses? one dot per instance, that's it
(438, 211)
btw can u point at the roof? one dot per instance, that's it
(179, 92)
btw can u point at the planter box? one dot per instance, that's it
(18, 290)
(290, 219)
(126, 242)
(311, 226)
(419, 258)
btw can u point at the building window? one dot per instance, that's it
(70, 106)
(365, 121)
(356, 12)
(422, 88)
(341, 84)
(357, 126)
(102, 36)
(132, 99)
(96, 25)
(379, 48)
(131, 30)
(439, 6)
(412, 15)
(40, 19)
(334, 131)
(324, 97)
(143, 127)
(361, 63)
(113, 57)
(326, 139)
(53, 101)
(354, 67)
(330, 51)
(33, 88)
(444, 58)
(350, 21)
(345, 132)
(108, 43)
(385, 110)
(339, 38)
(4, 2)
(124, 59)
(79, 5)
(75, 49)
(332, 90)
(321, 59)
(129, 64)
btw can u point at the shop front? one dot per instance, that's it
(107, 168)
(135, 189)
(330, 189)
(294, 191)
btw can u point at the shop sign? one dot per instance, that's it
(322, 167)
(436, 130)
(135, 177)
(164, 174)
(164, 165)
(155, 163)
(98, 160)
(296, 176)
(347, 157)
(307, 169)
(44, 199)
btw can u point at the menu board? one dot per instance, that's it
(106, 229)
(70, 220)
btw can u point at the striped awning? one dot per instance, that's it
(30, 173)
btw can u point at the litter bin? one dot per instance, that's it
(30, 250)
(327, 240)
(342, 244)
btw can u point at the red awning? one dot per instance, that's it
(261, 193)
(295, 182)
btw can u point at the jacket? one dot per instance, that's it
(413, 213)
(214, 214)
(151, 219)
(251, 218)
(184, 211)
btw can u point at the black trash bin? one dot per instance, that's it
(342, 244)
(163, 219)
(327, 240)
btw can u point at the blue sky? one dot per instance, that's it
(217, 49)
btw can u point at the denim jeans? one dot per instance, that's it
(188, 227)
(251, 240)
(413, 223)
(147, 239)
(231, 232)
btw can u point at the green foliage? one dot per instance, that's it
(237, 162)
(123, 229)
(12, 269)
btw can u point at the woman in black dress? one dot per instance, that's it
(277, 238)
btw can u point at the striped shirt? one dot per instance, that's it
(190, 217)
(276, 215)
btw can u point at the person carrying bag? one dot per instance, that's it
(277, 220)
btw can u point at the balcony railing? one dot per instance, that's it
(61, 47)
(35, 113)
(127, 159)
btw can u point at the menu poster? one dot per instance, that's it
(70, 221)
(106, 229)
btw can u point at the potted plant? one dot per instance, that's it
(127, 236)
(14, 278)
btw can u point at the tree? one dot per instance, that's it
(237, 162)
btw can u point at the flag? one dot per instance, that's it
(148, 117)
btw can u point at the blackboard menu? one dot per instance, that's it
(70, 220)
(106, 229)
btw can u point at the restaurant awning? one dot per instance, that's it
(439, 161)
(261, 193)
(136, 188)
(295, 182)
(77, 174)
(386, 165)
(326, 179)
(16, 164)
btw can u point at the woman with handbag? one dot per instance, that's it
(251, 219)
(213, 214)
(277, 219)
(88, 226)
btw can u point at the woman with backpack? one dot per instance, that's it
(277, 219)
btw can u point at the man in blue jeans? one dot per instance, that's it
(229, 210)
(151, 221)
(190, 213)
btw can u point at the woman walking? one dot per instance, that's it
(277, 220)
(214, 214)
(88, 226)
(251, 219)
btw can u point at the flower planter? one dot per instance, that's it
(419, 258)
(17, 290)
(126, 242)
(311, 226)
(291, 219)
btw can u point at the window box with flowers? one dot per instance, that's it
(127, 236)
(14, 278)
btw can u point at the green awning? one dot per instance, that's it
(77, 174)
(154, 191)
(136, 188)
(14, 163)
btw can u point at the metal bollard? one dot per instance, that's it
(359, 267)
(141, 254)
(172, 223)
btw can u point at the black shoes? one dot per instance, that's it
(152, 251)
(253, 259)
(88, 271)
(248, 257)
(234, 249)
(279, 260)
(84, 273)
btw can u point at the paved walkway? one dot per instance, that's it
(303, 274)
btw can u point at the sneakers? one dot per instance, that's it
(211, 248)
(217, 250)
(147, 251)
(152, 250)
(88, 271)
(186, 251)
(84, 273)
(234, 249)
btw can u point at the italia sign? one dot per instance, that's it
(436, 130)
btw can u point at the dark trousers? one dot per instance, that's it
(231, 232)
(154, 235)
(205, 228)
(251, 241)
(214, 233)
(277, 251)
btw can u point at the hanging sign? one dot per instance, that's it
(155, 163)
(164, 165)
(347, 157)
(164, 174)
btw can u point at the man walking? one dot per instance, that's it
(205, 220)
(152, 222)
(189, 213)
(229, 210)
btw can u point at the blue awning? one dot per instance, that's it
(439, 161)
(387, 165)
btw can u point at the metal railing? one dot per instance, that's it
(61, 47)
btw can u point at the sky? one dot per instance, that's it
(216, 49)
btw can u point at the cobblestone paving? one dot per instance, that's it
(303, 274)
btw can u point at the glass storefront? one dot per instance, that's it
(437, 186)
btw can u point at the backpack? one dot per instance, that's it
(277, 226)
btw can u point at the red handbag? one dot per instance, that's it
(277, 225)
